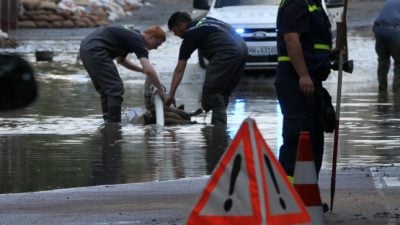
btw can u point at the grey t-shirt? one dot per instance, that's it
(130, 39)
(116, 41)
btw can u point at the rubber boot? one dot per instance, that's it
(383, 70)
(114, 104)
(226, 101)
(219, 117)
(105, 117)
(103, 100)
(114, 115)
(396, 79)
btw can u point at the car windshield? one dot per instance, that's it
(225, 3)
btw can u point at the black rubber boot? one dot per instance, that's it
(396, 79)
(103, 100)
(219, 117)
(114, 115)
(382, 81)
(383, 70)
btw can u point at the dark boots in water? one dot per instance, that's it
(219, 117)
(112, 105)
(396, 79)
(113, 115)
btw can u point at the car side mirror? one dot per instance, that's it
(18, 87)
(201, 4)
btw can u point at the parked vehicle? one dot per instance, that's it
(255, 21)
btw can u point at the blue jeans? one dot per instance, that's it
(388, 45)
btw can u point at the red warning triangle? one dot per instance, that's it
(249, 186)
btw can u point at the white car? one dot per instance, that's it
(255, 21)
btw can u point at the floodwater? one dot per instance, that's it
(60, 141)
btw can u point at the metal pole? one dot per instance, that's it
(341, 44)
(336, 133)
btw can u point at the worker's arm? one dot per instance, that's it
(176, 80)
(152, 76)
(129, 64)
(295, 52)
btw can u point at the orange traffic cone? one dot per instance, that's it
(306, 181)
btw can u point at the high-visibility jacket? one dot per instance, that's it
(316, 43)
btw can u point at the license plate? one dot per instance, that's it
(262, 50)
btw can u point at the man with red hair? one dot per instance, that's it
(102, 46)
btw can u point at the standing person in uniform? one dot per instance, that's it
(304, 43)
(387, 35)
(226, 52)
(100, 48)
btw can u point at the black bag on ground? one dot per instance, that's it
(327, 115)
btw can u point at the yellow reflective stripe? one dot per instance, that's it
(283, 58)
(322, 46)
(312, 8)
(291, 179)
(200, 22)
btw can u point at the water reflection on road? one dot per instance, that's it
(60, 141)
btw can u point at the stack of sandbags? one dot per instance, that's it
(73, 13)
(5, 42)
(129, 6)
(116, 8)
(48, 14)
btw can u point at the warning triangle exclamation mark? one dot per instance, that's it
(235, 172)
(269, 167)
(248, 186)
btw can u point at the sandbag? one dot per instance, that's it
(57, 24)
(48, 6)
(43, 24)
(30, 5)
(40, 17)
(68, 24)
(27, 24)
(54, 17)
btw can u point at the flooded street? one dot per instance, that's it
(60, 140)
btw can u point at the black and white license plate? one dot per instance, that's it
(262, 50)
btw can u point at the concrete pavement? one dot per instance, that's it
(364, 196)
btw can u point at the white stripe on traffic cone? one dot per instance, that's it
(306, 181)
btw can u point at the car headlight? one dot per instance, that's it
(239, 30)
